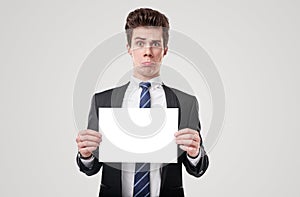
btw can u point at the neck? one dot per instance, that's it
(145, 78)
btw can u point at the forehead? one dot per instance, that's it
(152, 33)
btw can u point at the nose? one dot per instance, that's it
(148, 52)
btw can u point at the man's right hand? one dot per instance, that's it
(88, 141)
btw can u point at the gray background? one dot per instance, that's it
(253, 43)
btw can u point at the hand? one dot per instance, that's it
(88, 141)
(189, 141)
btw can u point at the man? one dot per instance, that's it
(147, 35)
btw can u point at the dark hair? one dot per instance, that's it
(147, 17)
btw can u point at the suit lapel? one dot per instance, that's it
(117, 95)
(172, 101)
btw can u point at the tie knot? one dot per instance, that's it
(145, 85)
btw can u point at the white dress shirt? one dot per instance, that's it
(132, 100)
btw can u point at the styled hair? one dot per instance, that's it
(147, 17)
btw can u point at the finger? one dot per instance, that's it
(186, 136)
(78, 139)
(90, 138)
(90, 132)
(188, 149)
(185, 131)
(87, 150)
(87, 144)
(194, 137)
(189, 143)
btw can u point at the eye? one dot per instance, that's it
(156, 44)
(139, 43)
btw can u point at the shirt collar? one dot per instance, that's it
(156, 82)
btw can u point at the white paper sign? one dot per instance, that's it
(138, 135)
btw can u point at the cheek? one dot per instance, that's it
(136, 54)
(159, 55)
(136, 58)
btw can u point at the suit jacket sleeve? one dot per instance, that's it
(93, 125)
(194, 123)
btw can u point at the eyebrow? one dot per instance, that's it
(140, 38)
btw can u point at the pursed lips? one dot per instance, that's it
(147, 63)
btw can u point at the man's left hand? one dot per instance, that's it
(189, 141)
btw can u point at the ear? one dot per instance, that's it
(128, 49)
(165, 51)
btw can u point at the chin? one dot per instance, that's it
(150, 76)
(147, 72)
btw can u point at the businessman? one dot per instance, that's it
(147, 32)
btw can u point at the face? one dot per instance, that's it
(147, 51)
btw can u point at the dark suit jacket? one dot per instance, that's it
(171, 176)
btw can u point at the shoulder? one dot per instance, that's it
(104, 98)
(109, 92)
(182, 96)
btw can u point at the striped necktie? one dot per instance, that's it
(142, 170)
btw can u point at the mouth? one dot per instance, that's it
(148, 63)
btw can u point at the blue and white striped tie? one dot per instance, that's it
(142, 170)
(145, 95)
